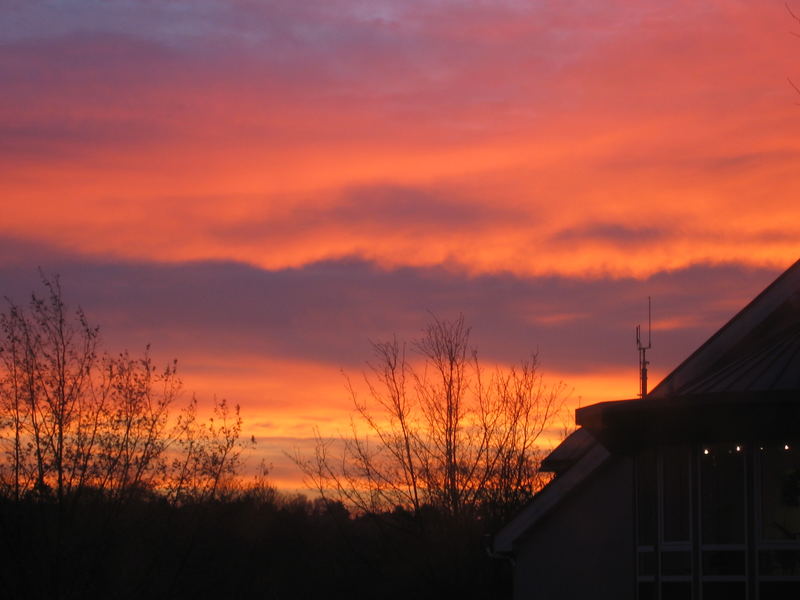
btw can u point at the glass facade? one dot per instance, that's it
(780, 492)
(718, 520)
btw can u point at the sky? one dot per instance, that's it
(262, 188)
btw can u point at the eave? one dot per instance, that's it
(625, 425)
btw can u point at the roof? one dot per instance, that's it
(757, 350)
(568, 452)
(625, 425)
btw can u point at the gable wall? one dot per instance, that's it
(584, 547)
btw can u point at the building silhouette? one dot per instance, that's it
(692, 492)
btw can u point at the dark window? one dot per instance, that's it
(723, 493)
(780, 491)
(724, 590)
(646, 497)
(647, 590)
(779, 590)
(647, 563)
(676, 590)
(779, 562)
(675, 465)
(723, 562)
(676, 563)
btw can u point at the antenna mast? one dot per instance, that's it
(643, 362)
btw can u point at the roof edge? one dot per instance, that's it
(548, 498)
(741, 324)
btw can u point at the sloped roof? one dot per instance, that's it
(774, 364)
(569, 451)
(757, 350)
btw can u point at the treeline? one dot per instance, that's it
(111, 486)
(248, 545)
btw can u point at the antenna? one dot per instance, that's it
(643, 362)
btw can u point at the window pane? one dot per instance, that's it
(780, 491)
(647, 591)
(647, 563)
(675, 464)
(722, 493)
(779, 590)
(673, 590)
(779, 562)
(723, 563)
(676, 563)
(646, 497)
(726, 590)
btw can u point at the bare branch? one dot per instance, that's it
(441, 432)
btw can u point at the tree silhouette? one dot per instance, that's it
(72, 419)
(437, 430)
(111, 486)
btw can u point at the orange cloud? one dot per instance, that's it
(657, 123)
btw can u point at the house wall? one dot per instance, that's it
(585, 547)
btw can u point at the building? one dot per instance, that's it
(692, 492)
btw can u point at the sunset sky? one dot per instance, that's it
(260, 188)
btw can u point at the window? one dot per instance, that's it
(664, 508)
(780, 492)
(676, 499)
(647, 497)
(736, 504)
(722, 494)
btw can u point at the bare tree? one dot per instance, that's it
(73, 420)
(92, 444)
(208, 454)
(439, 431)
(48, 359)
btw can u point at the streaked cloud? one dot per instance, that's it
(327, 313)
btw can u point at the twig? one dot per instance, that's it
(796, 89)
(791, 12)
